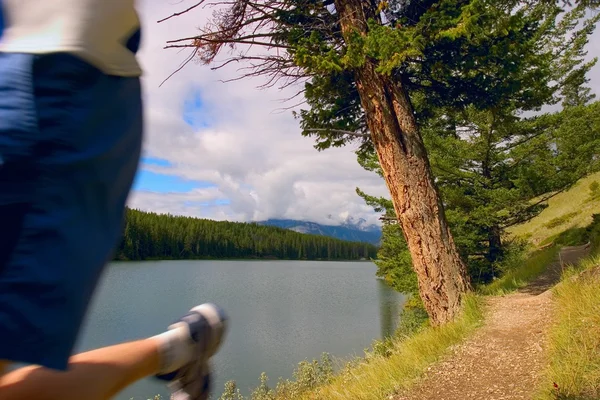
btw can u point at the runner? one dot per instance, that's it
(70, 141)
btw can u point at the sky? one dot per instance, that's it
(227, 151)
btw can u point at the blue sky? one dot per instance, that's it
(165, 183)
(195, 115)
(195, 112)
(147, 180)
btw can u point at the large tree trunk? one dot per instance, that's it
(441, 273)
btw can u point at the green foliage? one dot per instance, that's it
(262, 392)
(553, 223)
(594, 191)
(307, 376)
(394, 263)
(159, 236)
(413, 318)
(231, 392)
(333, 95)
(575, 199)
(521, 270)
(571, 237)
(580, 235)
(594, 234)
(380, 348)
(488, 186)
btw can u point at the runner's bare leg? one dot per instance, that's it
(94, 375)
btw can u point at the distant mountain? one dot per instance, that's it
(360, 225)
(357, 231)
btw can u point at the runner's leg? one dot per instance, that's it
(94, 375)
(180, 356)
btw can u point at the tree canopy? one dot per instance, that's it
(497, 162)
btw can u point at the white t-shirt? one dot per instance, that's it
(98, 31)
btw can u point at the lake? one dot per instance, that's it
(281, 312)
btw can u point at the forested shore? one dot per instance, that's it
(149, 236)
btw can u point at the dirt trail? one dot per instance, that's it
(504, 358)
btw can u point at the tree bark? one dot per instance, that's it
(441, 273)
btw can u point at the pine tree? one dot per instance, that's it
(490, 161)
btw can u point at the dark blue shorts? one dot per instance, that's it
(70, 139)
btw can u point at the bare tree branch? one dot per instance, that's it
(340, 132)
(231, 41)
(248, 24)
(181, 12)
(183, 64)
(216, 34)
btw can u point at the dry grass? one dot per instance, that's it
(574, 368)
(571, 209)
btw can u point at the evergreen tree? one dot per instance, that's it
(489, 161)
(158, 236)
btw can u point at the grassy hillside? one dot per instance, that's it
(567, 210)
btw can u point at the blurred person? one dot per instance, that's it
(70, 142)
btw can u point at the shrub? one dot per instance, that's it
(558, 221)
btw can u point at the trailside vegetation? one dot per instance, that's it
(573, 370)
(159, 236)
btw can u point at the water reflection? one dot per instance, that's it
(389, 308)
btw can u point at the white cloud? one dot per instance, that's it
(254, 154)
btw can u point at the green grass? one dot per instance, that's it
(571, 209)
(377, 377)
(571, 237)
(562, 220)
(574, 345)
(521, 272)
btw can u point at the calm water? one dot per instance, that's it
(281, 312)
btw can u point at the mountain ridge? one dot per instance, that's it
(349, 230)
